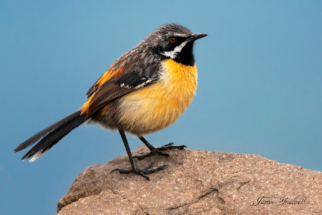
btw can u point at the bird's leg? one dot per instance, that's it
(135, 169)
(157, 150)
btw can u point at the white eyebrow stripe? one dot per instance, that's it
(172, 54)
(180, 35)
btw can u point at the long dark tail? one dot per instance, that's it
(50, 136)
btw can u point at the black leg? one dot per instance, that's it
(158, 149)
(135, 169)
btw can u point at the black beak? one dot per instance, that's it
(196, 37)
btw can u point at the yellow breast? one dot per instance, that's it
(157, 106)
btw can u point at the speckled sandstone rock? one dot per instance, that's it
(196, 182)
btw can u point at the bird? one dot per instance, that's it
(145, 90)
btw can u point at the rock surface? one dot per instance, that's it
(196, 182)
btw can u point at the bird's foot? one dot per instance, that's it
(158, 151)
(141, 172)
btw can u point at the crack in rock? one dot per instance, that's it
(242, 184)
(197, 200)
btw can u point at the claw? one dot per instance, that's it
(140, 172)
(156, 170)
(158, 150)
(169, 144)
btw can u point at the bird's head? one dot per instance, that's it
(174, 41)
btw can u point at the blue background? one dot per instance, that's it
(259, 92)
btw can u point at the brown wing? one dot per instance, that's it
(119, 82)
(93, 88)
(107, 93)
(109, 74)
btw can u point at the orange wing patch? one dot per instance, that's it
(109, 74)
(115, 74)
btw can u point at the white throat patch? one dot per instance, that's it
(173, 54)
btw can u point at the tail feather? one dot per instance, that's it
(50, 136)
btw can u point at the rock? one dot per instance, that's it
(196, 182)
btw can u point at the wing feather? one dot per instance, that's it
(118, 82)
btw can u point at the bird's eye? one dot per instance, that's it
(172, 40)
